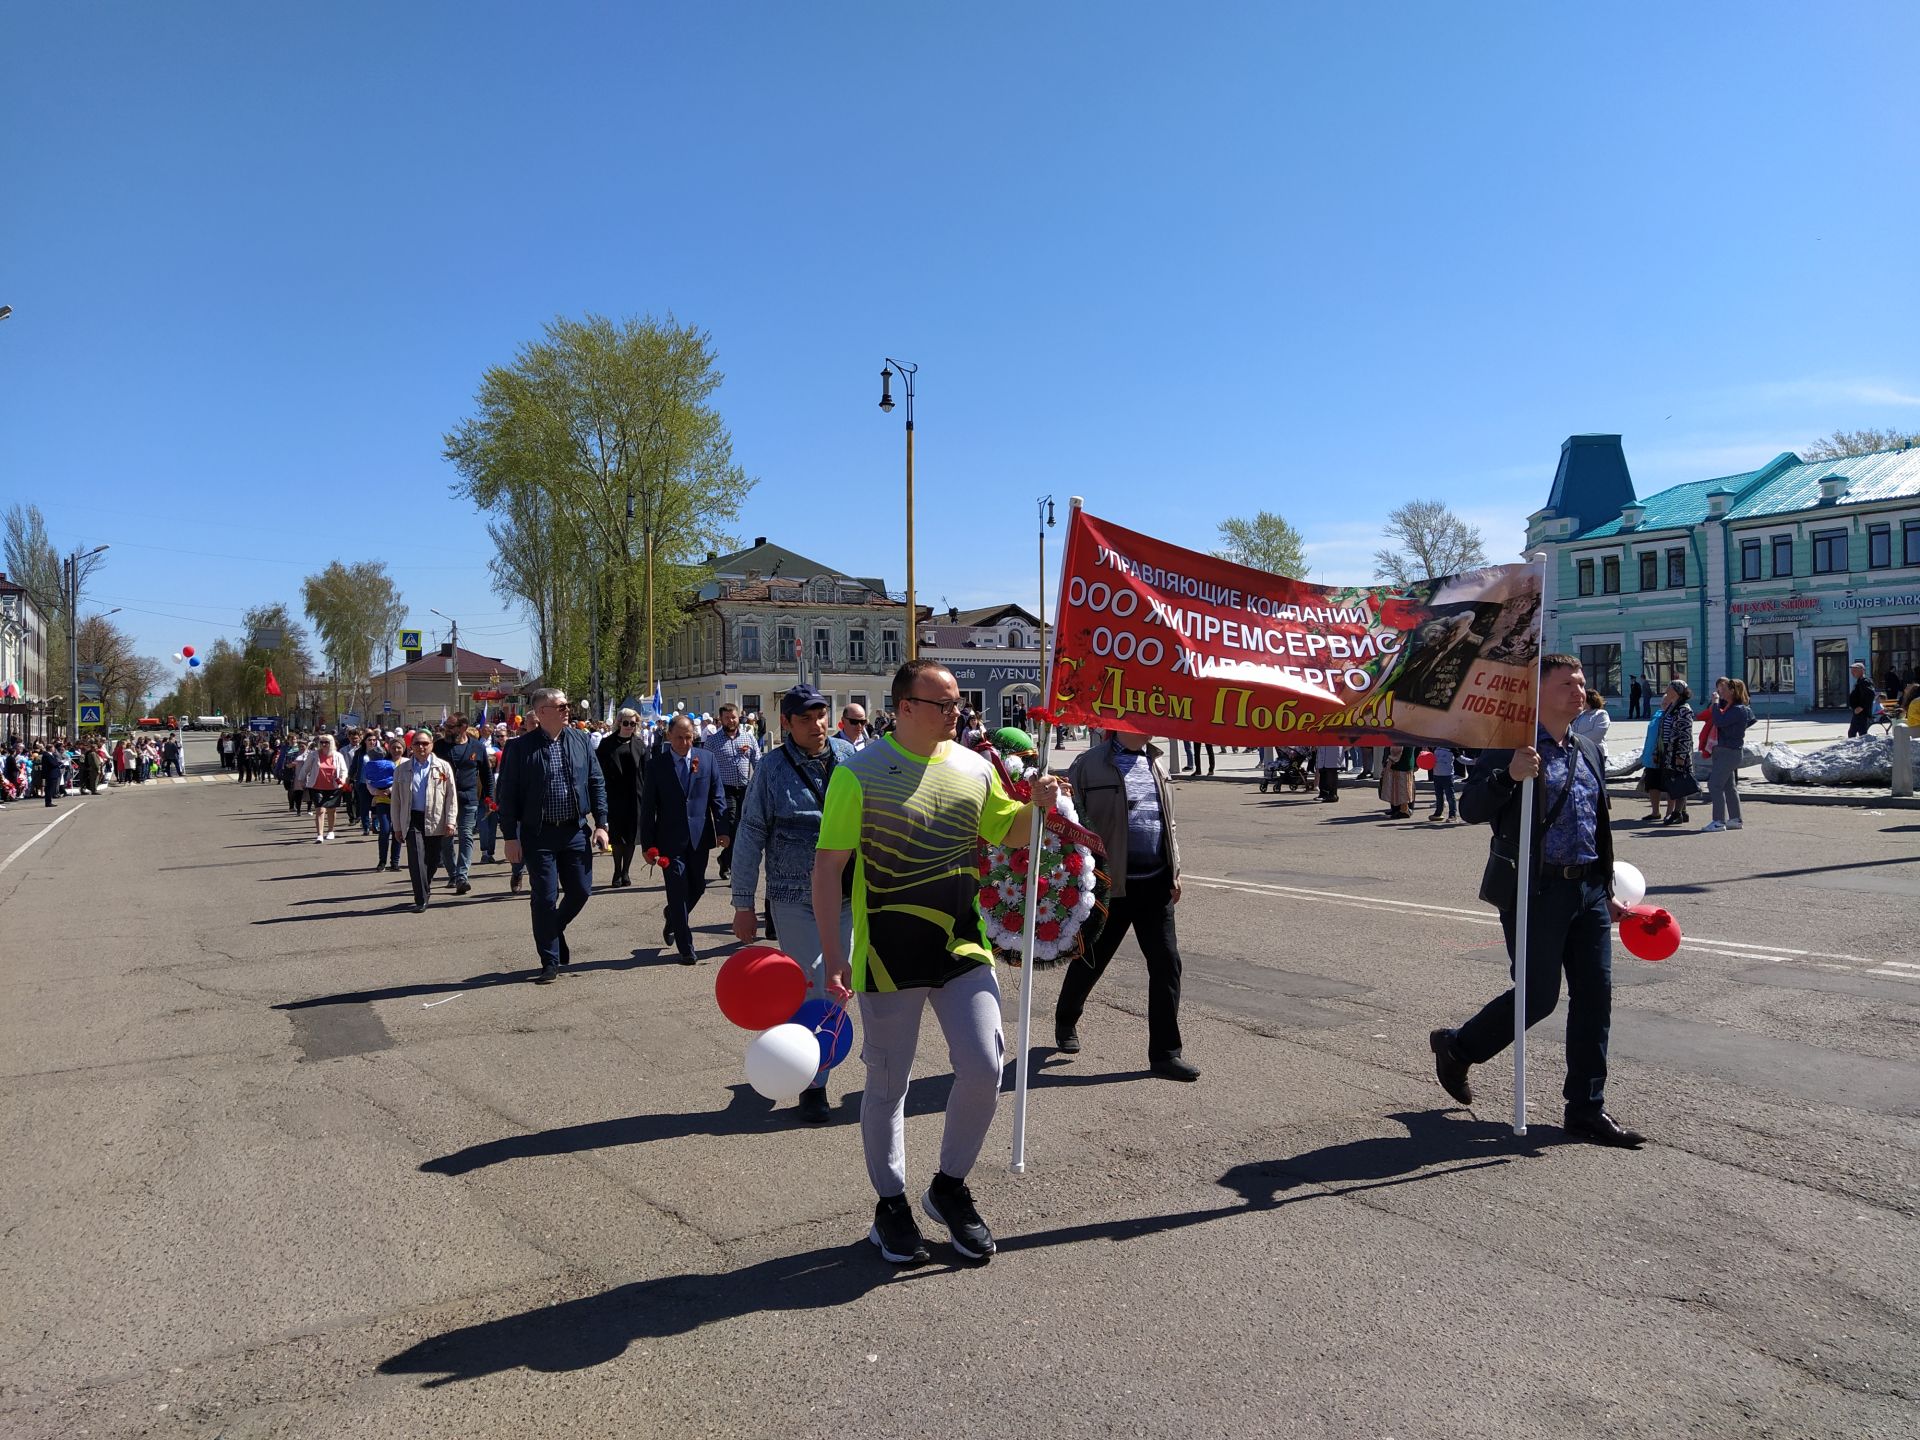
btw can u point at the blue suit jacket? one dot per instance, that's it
(522, 786)
(678, 821)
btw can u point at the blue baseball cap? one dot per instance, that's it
(800, 699)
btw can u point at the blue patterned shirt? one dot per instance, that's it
(736, 770)
(557, 807)
(1146, 831)
(1573, 837)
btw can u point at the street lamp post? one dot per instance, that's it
(71, 568)
(907, 373)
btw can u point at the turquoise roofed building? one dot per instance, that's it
(1784, 575)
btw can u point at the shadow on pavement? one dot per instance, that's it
(579, 1334)
(639, 959)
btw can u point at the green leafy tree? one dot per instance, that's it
(32, 563)
(1264, 542)
(1426, 541)
(355, 610)
(607, 474)
(1843, 443)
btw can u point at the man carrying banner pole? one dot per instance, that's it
(1556, 914)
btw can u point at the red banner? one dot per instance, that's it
(1170, 642)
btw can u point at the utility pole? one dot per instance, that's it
(453, 658)
(70, 573)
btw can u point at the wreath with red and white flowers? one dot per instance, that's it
(1072, 899)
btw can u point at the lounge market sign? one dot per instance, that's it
(1806, 607)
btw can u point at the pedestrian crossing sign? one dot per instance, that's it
(91, 715)
(409, 639)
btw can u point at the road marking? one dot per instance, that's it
(1728, 949)
(25, 844)
(178, 779)
(209, 779)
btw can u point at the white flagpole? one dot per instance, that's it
(1524, 877)
(1022, 1070)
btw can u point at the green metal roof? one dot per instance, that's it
(1782, 486)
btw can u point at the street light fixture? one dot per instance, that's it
(907, 373)
(5, 311)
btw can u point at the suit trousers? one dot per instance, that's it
(736, 799)
(686, 881)
(424, 856)
(1147, 910)
(1568, 928)
(559, 864)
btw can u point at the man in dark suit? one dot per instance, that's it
(1861, 702)
(1572, 909)
(682, 813)
(552, 790)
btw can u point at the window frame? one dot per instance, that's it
(1883, 534)
(1649, 570)
(1609, 574)
(1602, 671)
(1753, 557)
(1769, 651)
(1778, 545)
(1826, 540)
(1677, 565)
(1583, 576)
(749, 642)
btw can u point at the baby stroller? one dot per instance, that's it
(1290, 767)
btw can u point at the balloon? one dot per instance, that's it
(187, 650)
(1629, 885)
(760, 987)
(831, 1026)
(1649, 932)
(1424, 760)
(783, 1061)
(178, 657)
(194, 661)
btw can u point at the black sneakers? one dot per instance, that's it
(895, 1233)
(948, 1202)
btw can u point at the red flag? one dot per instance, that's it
(273, 685)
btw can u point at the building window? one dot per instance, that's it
(822, 591)
(974, 700)
(1662, 662)
(1879, 547)
(1895, 651)
(1610, 575)
(890, 647)
(1649, 571)
(857, 646)
(1770, 663)
(750, 707)
(1676, 569)
(1783, 556)
(1829, 552)
(823, 644)
(749, 644)
(1749, 559)
(1584, 570)
(789, 640)
(1016, 638)
(1602, 666)
(1910, 542)
(858, 697)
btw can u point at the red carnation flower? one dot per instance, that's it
(1017, 862)
(1069, 898)
(989, 897)
(1047, 930)
(1072, 861)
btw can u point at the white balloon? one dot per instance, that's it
(1629, 885)
(782, 1062)
(176, 655)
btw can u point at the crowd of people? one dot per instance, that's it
(49, 768)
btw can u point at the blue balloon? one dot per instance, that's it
(832, 1026)
(194, 662)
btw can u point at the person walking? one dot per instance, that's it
(323, 775)
(623, 760)
(1860, 702)
(780, 822)
(908, 815)
(1572, 909)
(553, 806)
(1636, 701)
(423, 788)
(735, 756)
(1444, 806)
(1674, 754)
(46, 771)
(1396, 781)
(1122, 793)
(377, 774)
(473, 780)
(1732, 718)
(682, 816)
(1327, 763)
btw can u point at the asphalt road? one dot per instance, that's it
(284, 1159)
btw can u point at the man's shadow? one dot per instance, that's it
(579, 1334)
(638, 960)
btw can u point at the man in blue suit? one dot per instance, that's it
(553, 792)
(682, 813)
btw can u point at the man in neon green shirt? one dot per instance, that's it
(909, 811)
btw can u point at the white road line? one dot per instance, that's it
(1728, 949)
(178, 779)
(29, 842)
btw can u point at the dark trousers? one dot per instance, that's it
(1329, 783)
(424, 855)
(736, 797)
(560, 864)
(1568, 928)
(1860, 725)
(1443, 801)
(686, 881)
(1147, 910)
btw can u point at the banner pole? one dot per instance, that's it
(1524, 888)
(1022, 1071)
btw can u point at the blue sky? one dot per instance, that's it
(1185, 262)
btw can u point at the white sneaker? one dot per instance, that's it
(329, 834)
(1711, 826)
(318, 838)
(1733, 824)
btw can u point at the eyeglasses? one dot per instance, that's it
(945, 707)
(628, 724)
(423, 745)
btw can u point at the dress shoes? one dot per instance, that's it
(1173, 1067)
(1448, 1067)
(813, 1105)
(546, 975)
(1066, 1039)
(513, 885)
(1602, 1129)
(461, 887)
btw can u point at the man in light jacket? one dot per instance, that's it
(426, 809)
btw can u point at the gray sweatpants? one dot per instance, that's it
(800, 937)
(1723, 784)
(968, 1009)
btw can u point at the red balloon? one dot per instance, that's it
(1424, 760)
(1649, 932)
(760, 987)
(187, 650)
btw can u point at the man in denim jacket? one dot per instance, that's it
(780, 820)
